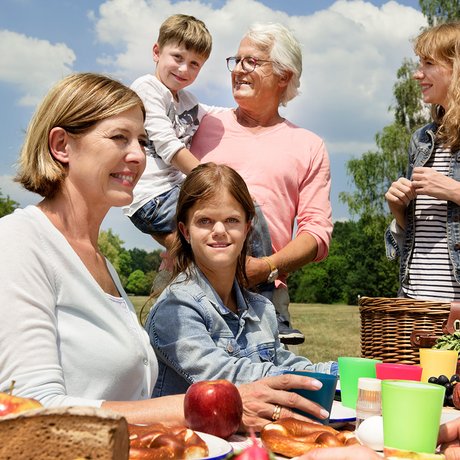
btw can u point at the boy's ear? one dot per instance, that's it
(156, 52)
(58, 142)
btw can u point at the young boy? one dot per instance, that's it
(173, 116)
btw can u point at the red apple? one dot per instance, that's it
(10, 404)
(214, 407)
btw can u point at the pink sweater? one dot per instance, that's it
(286, 169)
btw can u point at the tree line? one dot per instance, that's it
(356, 265)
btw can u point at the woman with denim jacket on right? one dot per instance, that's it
(425, 232)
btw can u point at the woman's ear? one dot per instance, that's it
(183, 229)
(58, 142)
(285, 78)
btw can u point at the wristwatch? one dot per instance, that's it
(273, 270)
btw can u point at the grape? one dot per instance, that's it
(433, 380)
(442, 380)
(449, 401)
(449, 388)
(455, 378)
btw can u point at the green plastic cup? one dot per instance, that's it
(350, 370)
(411, 415)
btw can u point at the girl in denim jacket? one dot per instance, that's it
(425, 204)
(206, 325)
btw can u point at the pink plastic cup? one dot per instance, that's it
(395, 371)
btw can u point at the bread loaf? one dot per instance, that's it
(64, 433)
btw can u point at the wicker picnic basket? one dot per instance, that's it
(387, 325)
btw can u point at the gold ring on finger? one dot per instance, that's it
(276, 413)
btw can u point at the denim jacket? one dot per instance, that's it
(399, 242)
(197, 338)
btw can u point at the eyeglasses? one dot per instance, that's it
(248, 63)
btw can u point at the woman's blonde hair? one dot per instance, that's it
(285, 52)
(75, 104)
(441, 44)
(207, 182)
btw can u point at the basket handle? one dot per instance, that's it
(452, 324)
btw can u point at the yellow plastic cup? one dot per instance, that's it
(438, 362)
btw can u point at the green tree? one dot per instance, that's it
(126, 262)
(7, 205)
(145, 261)
(138, 283)
(373, 173)
(111, 245)
(440, 10)
(356, 265)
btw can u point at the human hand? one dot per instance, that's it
(260, 399)
(354, 452)
(257, 270)
(428, 181)
(398, 196)
(452, 453)
(400, 193)
(449, 439)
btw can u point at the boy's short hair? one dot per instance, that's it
(188, 31)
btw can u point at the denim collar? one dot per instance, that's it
(244, 307)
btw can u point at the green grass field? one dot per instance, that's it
(330, 330)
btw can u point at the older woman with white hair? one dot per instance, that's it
(285, 167)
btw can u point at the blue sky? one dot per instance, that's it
(351, 51)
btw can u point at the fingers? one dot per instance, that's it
(260, 399)
(294, 400)
(449, 432)
(279, 393)
(343, 453)
(452, 453)
(400, 192)
(291, 381)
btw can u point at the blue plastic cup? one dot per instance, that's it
(324, 396)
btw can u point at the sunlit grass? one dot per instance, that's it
(330, 330)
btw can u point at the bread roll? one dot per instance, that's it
(292, 437)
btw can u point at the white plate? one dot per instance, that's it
(218, 448)
(341, 414)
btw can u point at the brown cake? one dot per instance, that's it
(64, 433)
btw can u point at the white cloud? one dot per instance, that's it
(351, 53)
(32, 65)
